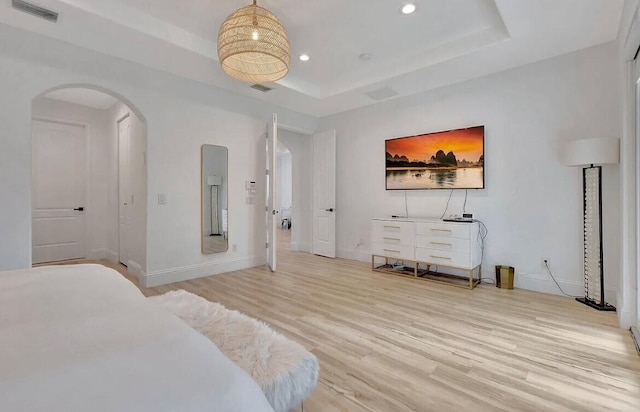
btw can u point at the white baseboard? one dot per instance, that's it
(165, 276)
(540, 283)
(361, 255)
(112, 256)
(535, 282)
(135, 269)
(301, 247)
(97, 254)
(626, 318)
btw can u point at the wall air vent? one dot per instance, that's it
(261, 88)
(382, 94)
(34, 10)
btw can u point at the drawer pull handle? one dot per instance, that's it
(441, 243)
(392, 227)
(391, 250)
(391, 238)
(440, 257)
(441, 230)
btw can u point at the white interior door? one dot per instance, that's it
(635, 277)
(272, 212)
(124, 189)
(324, 194)
(58, 191)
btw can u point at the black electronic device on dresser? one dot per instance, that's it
(466, 218)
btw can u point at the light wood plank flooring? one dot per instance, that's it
(388, 343)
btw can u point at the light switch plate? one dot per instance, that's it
(162, 199)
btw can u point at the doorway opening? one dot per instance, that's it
(89, 178)
(300, 148)
(284, 196)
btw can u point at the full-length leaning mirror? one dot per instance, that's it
(215, 187)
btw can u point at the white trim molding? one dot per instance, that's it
(301, 246)
(135, 269)
(102, 253)
(355, 254)
(178, 274)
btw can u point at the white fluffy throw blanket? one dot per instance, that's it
(286, 371)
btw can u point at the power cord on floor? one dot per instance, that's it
(546, 264)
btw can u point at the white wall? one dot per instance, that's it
(180, 115)
(532, 201)
(302, 159)
(99, 221)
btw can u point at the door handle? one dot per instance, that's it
(329, 210)
(79, 209)
(274, 212)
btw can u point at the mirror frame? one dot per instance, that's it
(203, 193)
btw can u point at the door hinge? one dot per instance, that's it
(266, 245)
(267, 172)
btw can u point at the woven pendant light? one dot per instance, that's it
(253, 45)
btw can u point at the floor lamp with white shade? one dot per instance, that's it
(215, 182)
(591, 154)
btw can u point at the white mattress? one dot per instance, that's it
(83, 338)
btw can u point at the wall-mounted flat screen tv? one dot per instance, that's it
(444, 160)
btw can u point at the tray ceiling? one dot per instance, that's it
(442, 43)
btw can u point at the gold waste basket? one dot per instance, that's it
(504, 276)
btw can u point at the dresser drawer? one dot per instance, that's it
(451, 244)
(390, 232)
(445, 229)
(397, 252)
(444, 257)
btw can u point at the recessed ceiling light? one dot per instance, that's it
(304, 57)
(408, 8)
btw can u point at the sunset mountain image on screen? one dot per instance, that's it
(444, 160)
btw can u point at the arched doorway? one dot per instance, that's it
(89, 177)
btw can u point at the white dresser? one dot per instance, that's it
(431, 243)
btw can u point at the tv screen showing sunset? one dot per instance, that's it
(445, 160)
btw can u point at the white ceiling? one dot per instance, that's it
(444, 42)
(85, 97)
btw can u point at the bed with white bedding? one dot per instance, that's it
(83, 338)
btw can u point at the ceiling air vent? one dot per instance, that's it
(381, 94)
(261, 88)
(34, 10)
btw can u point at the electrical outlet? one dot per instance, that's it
(544, 262)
